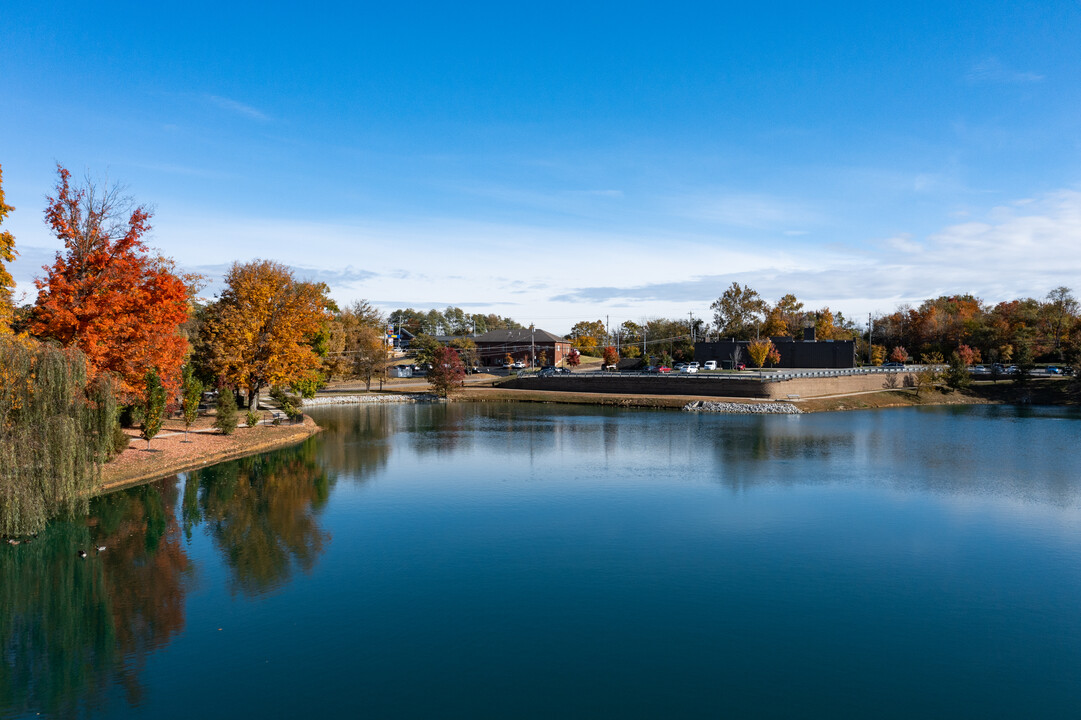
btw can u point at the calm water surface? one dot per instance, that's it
(546, 561)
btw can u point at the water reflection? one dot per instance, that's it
(71, 627)
(262, 513)
(355, 441)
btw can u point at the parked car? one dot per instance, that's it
(893, 365)
(679, 366)
(663, 369)
(518, 365)
(692, 368)
(710, 365)
(1054, 370)
(741, 366)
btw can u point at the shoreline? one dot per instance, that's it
(174, 452)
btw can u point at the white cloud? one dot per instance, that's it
(556, 276)
(237, 107)
(746, 210)
(991, 70)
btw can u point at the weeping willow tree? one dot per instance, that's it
(55, 432)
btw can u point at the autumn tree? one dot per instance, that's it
(106, 294)
(259, 332)
(878, 354)
(611, 356)
(773, 357)
(898, 355)
(738, 312)
(467, 351)
(362, 345)
(1061, 304)
(759, 350)
(574, 358)
(447, 373)
(929, 373)
(7, 254)
(587, 335)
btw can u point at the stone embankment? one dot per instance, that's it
(775, 408)
(368, 399)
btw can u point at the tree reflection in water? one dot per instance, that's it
(356, 441)
(262, 512)
(71, 626)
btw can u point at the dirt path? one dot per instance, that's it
(174, 451)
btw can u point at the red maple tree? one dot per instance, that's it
(107, 294)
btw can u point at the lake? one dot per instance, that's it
(503, 560)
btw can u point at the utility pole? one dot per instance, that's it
(691, 316)
(532, 347)
(870, 335)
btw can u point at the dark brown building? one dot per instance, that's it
(522, 344)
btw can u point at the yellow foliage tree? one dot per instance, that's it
(878, 354)
(759, 351)
(259, 333)
(7, 254)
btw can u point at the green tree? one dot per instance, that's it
(738, 312)
(1025, 365)
(225, 419)
(191, 390)
(957, 375)
(56, 430)
(425, 348)
(153, 406)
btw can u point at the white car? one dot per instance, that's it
(692, 368)
(710, 365)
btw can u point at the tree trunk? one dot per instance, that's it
(253, 397)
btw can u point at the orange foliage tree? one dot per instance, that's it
(7, 254)
(260, 332)
(107, 294)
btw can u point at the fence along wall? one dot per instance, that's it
(710, 386)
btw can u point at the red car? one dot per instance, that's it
(663, 369)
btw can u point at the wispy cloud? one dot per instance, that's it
(239, 108)
(991, 71)
(746, 210)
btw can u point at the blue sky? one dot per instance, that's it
(556, 162)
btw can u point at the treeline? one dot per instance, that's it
(1040, 330)
(740, 313)
(452, 321)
